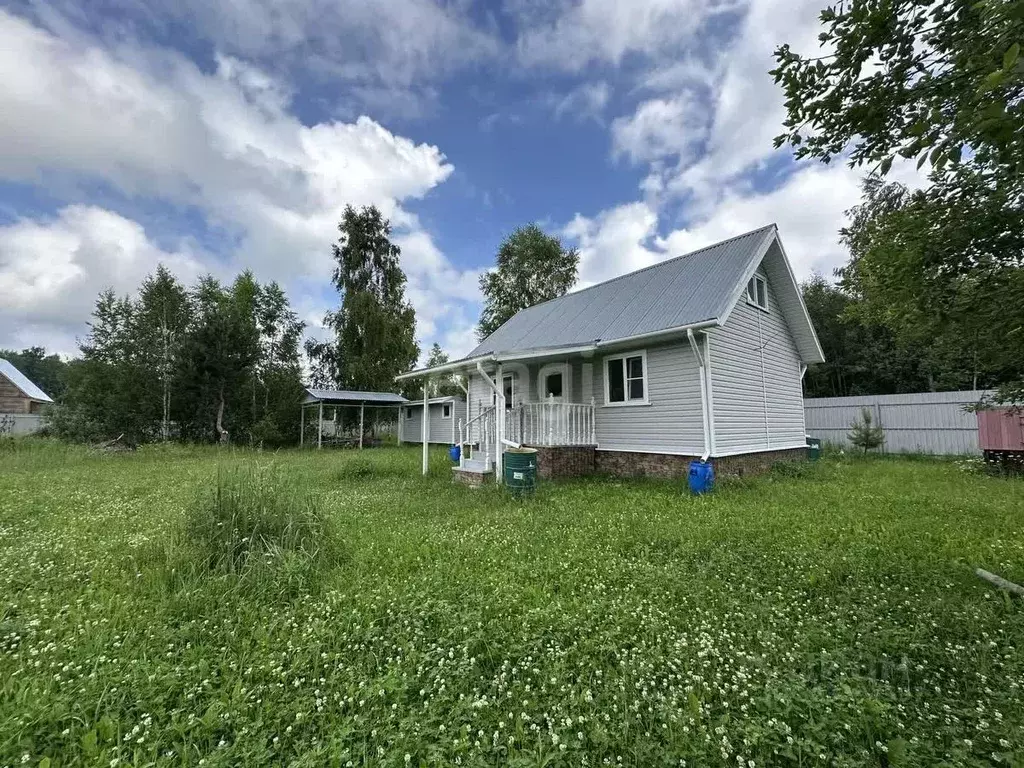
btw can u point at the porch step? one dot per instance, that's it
(477, 465)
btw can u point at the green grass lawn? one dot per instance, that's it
(826, 618)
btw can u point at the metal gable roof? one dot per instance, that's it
(18, 379)
(694, 288)
(353, 396)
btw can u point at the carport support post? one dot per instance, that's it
(320, 426)
(361, 407)
(302, 424)
(425, 429)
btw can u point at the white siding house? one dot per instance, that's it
(700, 356)
(446, 413)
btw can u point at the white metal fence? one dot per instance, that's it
(20, 423)
(923, 422)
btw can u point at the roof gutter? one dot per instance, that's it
(529, 354)
(446, 368)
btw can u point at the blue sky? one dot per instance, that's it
(220, 136)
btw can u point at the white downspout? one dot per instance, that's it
(703, 394)
(711, 391)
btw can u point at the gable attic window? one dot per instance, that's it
(625, 380)
(446, 410)
(757, 292)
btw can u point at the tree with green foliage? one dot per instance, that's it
(915, 270)
(864, 356)
(861, 358)
(942, 83)
(161, 318)
(48, 372)
(531, 267)
(374, 328)
(442, 385)
(865, 434)
(220, 354)
(197, 365)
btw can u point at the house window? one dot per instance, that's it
(757, 292)
(446, 410)
(509, 388)
(625, 381)
(408, 413)
(553, 385)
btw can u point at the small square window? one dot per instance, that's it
(757, 292)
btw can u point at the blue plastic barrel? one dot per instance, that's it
(702, 476)
(455, 452)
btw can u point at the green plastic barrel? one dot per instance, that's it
(520, 468)
(813, 448)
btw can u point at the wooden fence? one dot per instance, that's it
(923, 422)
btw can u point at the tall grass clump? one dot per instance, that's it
(255, 525)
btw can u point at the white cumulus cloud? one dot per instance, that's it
(150, 124)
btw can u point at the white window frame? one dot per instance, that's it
(509, 401)
(446, 407)
(755, 282)
(408, 414)
(551, 369)
(627, 403)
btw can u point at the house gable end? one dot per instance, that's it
(774, 265)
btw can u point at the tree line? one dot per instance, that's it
(931, 296)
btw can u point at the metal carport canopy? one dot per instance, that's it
(343, 397)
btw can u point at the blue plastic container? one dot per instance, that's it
(702, 476)
(455, 452)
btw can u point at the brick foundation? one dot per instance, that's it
(755, 463)
(586, 460)
(472, 479)
(669, 466)
(576, 461)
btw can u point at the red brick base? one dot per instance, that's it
(584, 461)
(472, 479)
(669, 466)
(565, 462)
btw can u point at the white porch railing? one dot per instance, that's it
(547, 424)
(551, 424)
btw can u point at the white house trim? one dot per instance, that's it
(550, 368)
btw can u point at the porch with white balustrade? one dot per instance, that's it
(546, 424)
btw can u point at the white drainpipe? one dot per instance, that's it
(703, 394)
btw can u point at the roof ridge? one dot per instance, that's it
(657, 264)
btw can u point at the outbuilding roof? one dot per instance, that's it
(352, 397)
(22, 382)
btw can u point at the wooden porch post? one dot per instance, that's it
(302, 424)
(320, 426)
(361, 407)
